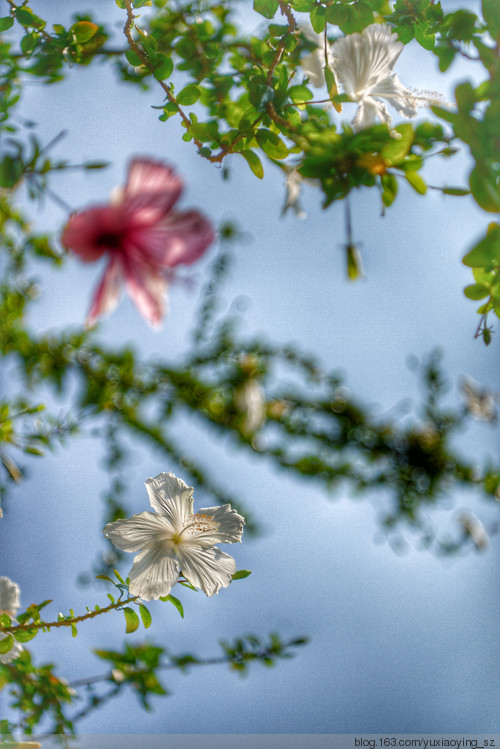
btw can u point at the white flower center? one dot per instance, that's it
(197, 524)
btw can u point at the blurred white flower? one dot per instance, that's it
(249, 401)
(363, 64)
(479, 401)
(293, 187)
(314, 63)
(474, 528)
(10, 602)
(173, 539)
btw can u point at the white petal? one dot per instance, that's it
(154, 573)
(139, 531)
(229, 526)
(10, 596)
(171, 498)
(361, 60)
(399, 96)
(368, 111)
(207, 569)
(313, 66)
(14, 652)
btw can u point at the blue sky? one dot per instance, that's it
(398, 643)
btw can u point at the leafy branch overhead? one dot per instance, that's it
(313, 92)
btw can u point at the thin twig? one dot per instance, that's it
(66, 622)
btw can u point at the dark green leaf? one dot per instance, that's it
(6, 23)
(26, 17)
(29, 42)
(241, 574)
(491, 14)
(163, 67)
(318, 18)
(266, 8)
(133, 58)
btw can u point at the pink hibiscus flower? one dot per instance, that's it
(143, 237)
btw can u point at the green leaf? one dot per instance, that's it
(206, 132)
(163, 67)
(29, 42)
(145, 616)
(241, 574)
(131, 619)
(104, 577)
(405, 33)
(318, 18)
(491, 14)
(121, 4)
(253, 162)
(133, 58)
(84, 31)
(465, 96)
(303, 6)
(6, 22)
(477, 291)
(459, 191)
(354, 265)
(271, 144)
(417, 182)
(119, 577)
(26, 17)
(6, 644)
(266, 8)
(25, 635)
(424, 37)
(175, 602)
(299, 94)
(389, 188)
(397, 148)
(486, 252)
(485, 188)
(188, 95)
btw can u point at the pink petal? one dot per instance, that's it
(146, 288)
(151, 191)
(108, 291)
(85, 231)
(181, 239)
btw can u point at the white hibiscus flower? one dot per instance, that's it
(173, 539)
(9, 604)
(363, 64)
